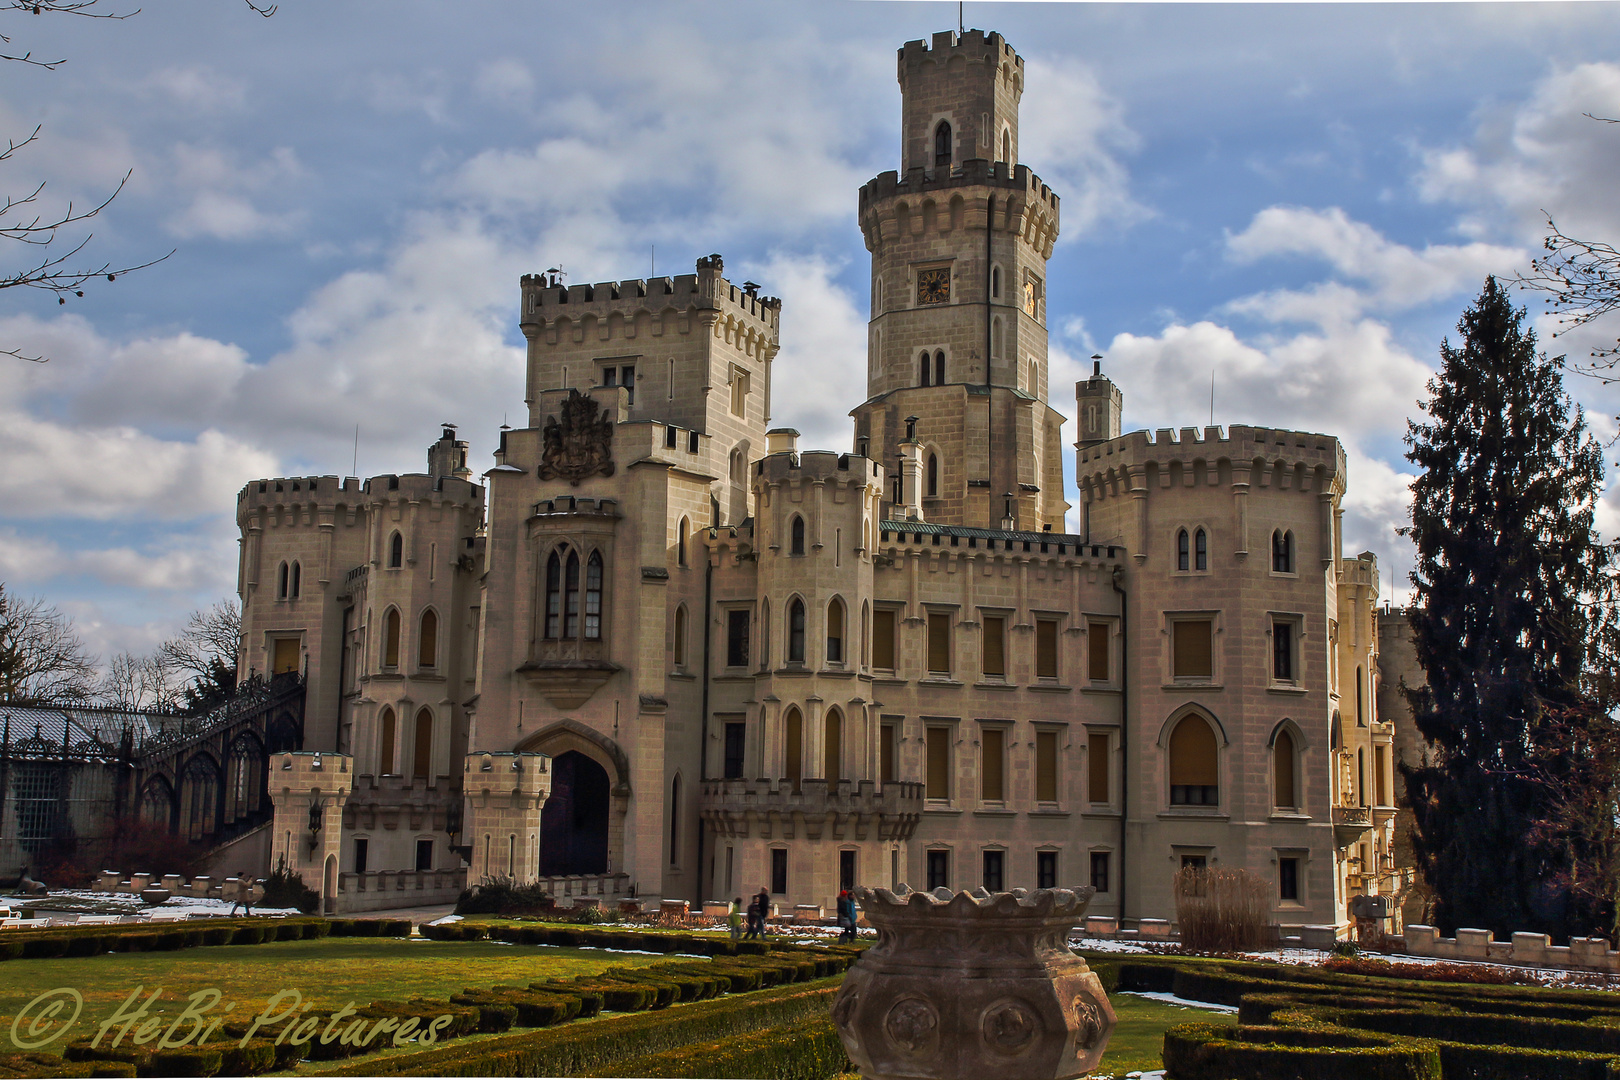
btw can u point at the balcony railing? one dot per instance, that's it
(843, 810)
(1350, 824)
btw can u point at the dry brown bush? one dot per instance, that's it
(1222, 910)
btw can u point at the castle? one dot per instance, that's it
(662, 651)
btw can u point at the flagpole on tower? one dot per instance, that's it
(961, 26)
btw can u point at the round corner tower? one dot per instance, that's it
(957, 337)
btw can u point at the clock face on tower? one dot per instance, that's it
(934, 286)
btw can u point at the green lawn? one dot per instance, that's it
(328, 972)
(1139, 1039)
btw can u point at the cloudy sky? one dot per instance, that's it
(1298, 199)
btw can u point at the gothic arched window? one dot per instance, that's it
(942, 143)
(244, 777)
(391, 638)
(796, 632)
(680, 636)
(297, 580)
(793, 763)
(422, 757)
(427, 640)
(396, 551)
(1282, 766)
(1182, 561)
(553, 628)
(1194, 764)
(1282, 552)
(593, 597)
(281, 587)
(1200, 550)
(680, 542)
(1006, 146)
(933, 474)
(926, 369)
(199, 799)
(571, 596)
(835, 632)
(939, 368)
(797, 539)
(385, 746)
(832, 748)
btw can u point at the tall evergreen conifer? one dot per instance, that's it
(1511, 618)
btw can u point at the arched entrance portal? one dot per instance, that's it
(574, 821)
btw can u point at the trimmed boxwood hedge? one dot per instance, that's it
(1289, 1016)
(52, 942)
(598, 1047)
(1220, 1052)
(807, 1049)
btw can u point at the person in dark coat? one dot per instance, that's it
(763, 899)
(847, 916)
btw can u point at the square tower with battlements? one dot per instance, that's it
(692, 351)
(957, 339)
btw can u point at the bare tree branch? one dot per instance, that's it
(52, 272)
(42, 658)
(1581, 281)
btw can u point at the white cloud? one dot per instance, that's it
(820, 374)
(1540, 155)
(1395, 276)
(222, 193)
(188, 564)
(506, 81)
(1076, 133)
(199, 87)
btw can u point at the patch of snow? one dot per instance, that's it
(447, 919)
(1106, 945)
(1179, 1002)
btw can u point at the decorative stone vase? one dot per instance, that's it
(152, 894)
(973, 986)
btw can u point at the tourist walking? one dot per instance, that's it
(846, 916)
(734, 918)
(763, 899)
(244, 894)
(753, 919)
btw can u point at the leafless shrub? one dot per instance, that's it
(1222, 910)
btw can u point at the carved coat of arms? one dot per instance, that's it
(578, 445)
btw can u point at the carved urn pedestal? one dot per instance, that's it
(973, 986)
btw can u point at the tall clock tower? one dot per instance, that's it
(957, 340)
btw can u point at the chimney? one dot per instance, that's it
(782, 440)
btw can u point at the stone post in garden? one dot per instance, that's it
(973, 986)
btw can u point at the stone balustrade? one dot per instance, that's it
(201, 887)
(560, 889)
(1525, 948)
(843, 810)
(374, 890)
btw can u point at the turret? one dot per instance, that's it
(448, 456)
(1097, 407)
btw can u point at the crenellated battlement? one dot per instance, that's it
(895, 207)
(972, 46)
(1263, 457)
(788, 467)
(328, 492)
(573, 506)
(975, 172)
(1238, 443)
(301, 489)
(545, 300)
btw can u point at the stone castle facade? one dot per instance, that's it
(662, 650)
